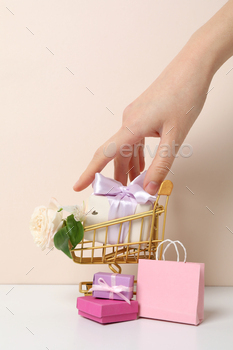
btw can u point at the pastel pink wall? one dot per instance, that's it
(51, 124)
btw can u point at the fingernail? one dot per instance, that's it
(152, 187)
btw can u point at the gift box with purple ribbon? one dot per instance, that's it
(111, 200)
(113, 286)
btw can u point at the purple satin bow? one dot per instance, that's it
(123, 201)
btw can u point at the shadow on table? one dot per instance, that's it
(212, 314)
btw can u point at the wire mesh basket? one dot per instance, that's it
(93, 252)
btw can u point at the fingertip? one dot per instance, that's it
(76, 186)
(84, 181)
(152, 187)
(80, 184)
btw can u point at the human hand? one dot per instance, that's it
(167, 109)
(160, 111)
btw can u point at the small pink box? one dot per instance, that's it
(107, 311)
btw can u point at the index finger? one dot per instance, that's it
(104, 154)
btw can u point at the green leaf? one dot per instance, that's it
(75, 230)
(61, 240)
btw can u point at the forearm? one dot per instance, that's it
(213, 42)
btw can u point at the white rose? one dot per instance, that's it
(44, 223)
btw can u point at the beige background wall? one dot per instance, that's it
(51, 124)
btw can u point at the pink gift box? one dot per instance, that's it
(108, 284)
(107, 311)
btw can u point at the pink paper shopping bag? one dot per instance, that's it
(171, 290)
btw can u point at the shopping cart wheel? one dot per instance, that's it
(84, 288)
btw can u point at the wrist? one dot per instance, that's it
(213, 42)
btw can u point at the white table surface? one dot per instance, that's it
(45, 317)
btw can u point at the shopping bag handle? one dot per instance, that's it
(177, 252)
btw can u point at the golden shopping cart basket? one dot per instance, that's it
(92, 252)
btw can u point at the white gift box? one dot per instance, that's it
(100, 205)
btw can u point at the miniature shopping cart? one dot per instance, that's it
(93, 252)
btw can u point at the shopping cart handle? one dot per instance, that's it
(165, 188)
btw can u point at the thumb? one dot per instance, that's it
(161, 165)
